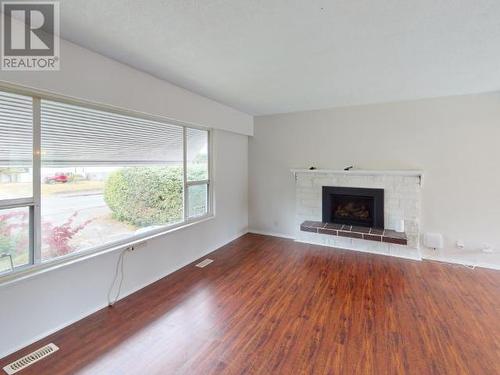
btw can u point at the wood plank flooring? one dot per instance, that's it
(272, 306)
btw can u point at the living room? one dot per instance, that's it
(244, 187)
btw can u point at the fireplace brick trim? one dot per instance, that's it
(402, 201)
(369, 234)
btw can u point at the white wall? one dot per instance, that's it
(34, 307)
(454, 140)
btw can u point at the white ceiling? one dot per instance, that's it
(271, 56)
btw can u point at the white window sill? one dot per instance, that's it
(37, 269)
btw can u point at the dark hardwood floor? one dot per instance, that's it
(273, 306)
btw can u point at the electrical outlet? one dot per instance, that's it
(136, 246)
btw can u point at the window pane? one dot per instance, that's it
(14, 238)
(197, 200)
(197, 154)
(16, 146)
(106, 178)
(86, 207)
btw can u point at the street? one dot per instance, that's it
(57, 208)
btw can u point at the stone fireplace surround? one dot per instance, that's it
(402, 190)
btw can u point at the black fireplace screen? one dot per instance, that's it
(353, 206)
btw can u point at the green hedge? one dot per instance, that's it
(145, 196)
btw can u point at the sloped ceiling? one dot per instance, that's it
(273, 56)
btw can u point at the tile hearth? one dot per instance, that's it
(369, 234)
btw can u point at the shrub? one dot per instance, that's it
(58, 237)
(14, 236)
(145, 196)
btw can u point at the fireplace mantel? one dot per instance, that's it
(365, 172)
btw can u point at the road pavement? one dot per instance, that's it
(57, 208)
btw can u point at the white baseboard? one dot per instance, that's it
(463, 262)
(274, 234)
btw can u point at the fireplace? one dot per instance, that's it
(353, 206)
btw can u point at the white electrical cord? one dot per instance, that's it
(119, 269)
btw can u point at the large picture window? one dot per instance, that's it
(76, 179)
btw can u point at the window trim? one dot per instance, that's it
(17, 202)
(34, 202)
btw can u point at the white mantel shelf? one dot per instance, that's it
(365, 172)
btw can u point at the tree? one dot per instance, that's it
(58, 237)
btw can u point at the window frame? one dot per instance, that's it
(35, 263)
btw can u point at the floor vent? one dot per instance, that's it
(204, 263)
(31, 358)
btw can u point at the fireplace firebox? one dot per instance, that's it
(353, 206)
